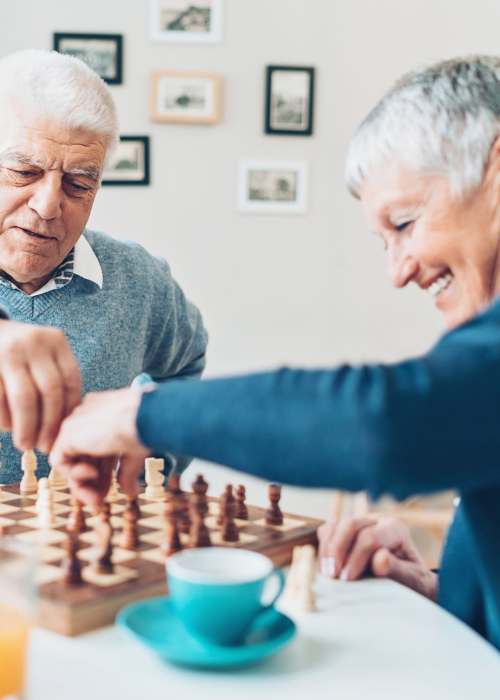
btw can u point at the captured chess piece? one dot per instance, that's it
(28, 484)
(274, 516)
(298, 595)
(76, 519)
(104, 533)
(200, 489)
(241, 508)
(230, 532)
(130, 536)
(154, 477)
(71, 565)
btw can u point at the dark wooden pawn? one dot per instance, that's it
(200, 488)
(104, 532)
(274, 516)
(199, 535)
(76, 519)
(71, 565)
(130, 536)
(172, 539)
(230, 532)
(241, 508)
(183, 519)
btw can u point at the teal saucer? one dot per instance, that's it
(154, 623)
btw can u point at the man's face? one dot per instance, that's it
(49, 176)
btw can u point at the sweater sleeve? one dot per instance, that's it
(418, 426)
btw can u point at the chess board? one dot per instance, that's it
(72, 610)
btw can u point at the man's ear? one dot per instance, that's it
(492, 169)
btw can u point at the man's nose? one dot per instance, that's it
(46, 200)
(402, 265)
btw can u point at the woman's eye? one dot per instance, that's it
(402, 225)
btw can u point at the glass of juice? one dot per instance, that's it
(17, 608)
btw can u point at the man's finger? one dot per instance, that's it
(5, 419)
(128, 474)
(70, 371)
(386, 565)
(50, 387)
(23, 403)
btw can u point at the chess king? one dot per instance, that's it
(86, 311)
(425, 164)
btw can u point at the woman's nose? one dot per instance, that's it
(402, 267)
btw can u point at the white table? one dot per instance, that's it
(369, 639)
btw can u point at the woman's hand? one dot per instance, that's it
(352, 548)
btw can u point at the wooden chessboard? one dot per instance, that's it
(72, 610)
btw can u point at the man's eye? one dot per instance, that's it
(23, 173)
(76, 186)
(402, 225)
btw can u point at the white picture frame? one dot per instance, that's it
(272, 186)
(182, 97)
(190, 21)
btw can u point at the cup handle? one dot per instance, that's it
(281, 584)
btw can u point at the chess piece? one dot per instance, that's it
(230, 532)
(241, 508)
(56, 479)
(298, 595)
(199, 534)
(104, 532)
(274, 516)
(154, 478)
(182, 502)
(71, 565)
(200, 488)
(28, 483)
(45, 505)
(172, 539)
(113, 492)
(76, 520)
(130, 536)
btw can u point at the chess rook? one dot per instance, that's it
(154, 477)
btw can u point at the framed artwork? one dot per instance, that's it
(274, 187)
(129, 164)
(186, 98)
(289, 100)
(102, 52)
(194, 21)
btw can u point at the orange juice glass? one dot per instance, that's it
(17, 563)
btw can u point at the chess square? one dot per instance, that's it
(59, 509)
(47, 537)
(4, 509)
(155, 555)
(120, 575)
(288, 524)
(245, 539)
(154, 508)
(49, 554)
(6, 496)
(156, 537)
(155, 521)
(47, 574)
(118, 556)
(33, 522)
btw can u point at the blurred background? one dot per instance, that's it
(308, 289)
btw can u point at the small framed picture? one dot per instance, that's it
(289, 100)
(102, 52)
(274, 187)
(194, 21)
(186, 98)
(129, 164)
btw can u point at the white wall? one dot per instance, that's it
(309, 289)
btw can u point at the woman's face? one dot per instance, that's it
(448, 246)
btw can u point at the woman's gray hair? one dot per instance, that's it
(442, 119)
(58, 87)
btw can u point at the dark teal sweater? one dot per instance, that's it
(418, 426)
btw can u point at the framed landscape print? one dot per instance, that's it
(195, 21)
(129, 164)
(186, 98)
(289, 100)
(102, 52)
(274, 187)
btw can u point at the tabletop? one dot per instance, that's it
(370, 638)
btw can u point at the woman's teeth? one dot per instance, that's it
(440, 285)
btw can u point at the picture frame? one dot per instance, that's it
(102, 52)
(130, 163)
(185, 21)
(181, 97)
(289, 100)
(272, 186)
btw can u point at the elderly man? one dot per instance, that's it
(116, 307)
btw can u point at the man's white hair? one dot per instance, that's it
(59, 87)
(442, 119)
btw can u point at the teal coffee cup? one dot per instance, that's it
(218, 592)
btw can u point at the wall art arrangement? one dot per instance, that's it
(185, 98)
(272, 187)
(181, 21)
(102, 52)
(289, 100)
(195, 98)
(129, 164)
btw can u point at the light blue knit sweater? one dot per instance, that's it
(140, 321)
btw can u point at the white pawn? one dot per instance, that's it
(113, 492)
(154, 478)
(28, 483)
(45, 505)
(298, 596)
(56, 479)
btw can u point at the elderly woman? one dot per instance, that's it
(425, 164)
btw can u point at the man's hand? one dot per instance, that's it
(40, 383)
(98, 433)
(354, 547)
